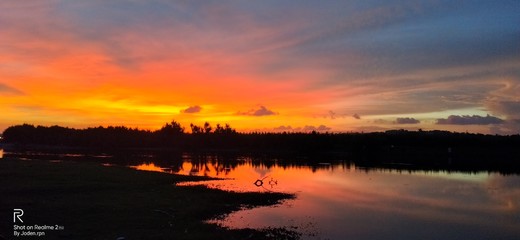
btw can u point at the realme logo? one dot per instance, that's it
(17, 214)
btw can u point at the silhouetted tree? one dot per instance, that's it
(173, 128)
(207, 127)
(19, 134)
(401, 146)
(195, 129)
(224, 130)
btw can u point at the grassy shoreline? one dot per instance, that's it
(96, 202)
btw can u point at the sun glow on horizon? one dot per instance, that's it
(259, 66)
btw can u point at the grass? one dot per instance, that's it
(97, 202)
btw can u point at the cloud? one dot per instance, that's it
(381, 121)
(332, 114)
(9, 90)
(505, 102)
(320, 128)
(306, 128)
(192, 109)
(508, 108)
(469, 120)
(261, 111)
(407, 120)
(323, 128)
(371, 59)
(283, 128)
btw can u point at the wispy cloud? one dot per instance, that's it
(306, 128)
(381, 121)
(283, 128)
(509, 108)
(6, 89)
(395, 58)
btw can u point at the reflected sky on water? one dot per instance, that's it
(340, 201)
(148, 167)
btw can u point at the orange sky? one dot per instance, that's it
(260, 66)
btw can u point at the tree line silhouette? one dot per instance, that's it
(171, 135)
(390, 147)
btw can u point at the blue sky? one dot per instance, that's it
(381, 61)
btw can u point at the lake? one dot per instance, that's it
(340, 200)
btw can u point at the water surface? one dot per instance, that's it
(339, 200)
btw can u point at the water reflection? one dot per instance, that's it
(1, 153)
(340, 201)
(150, 167)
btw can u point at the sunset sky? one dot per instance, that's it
(262, 65)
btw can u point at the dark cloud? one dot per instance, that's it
(407, 120)
(261, 111)
(469, 120)
(192, 109)
(401, 57)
